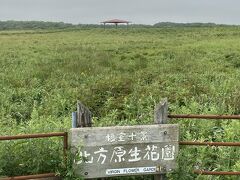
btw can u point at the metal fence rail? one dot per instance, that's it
(47, 175)
(195, 143)
(175, 116)
(215, 172)
(31, 136)
(201, 116)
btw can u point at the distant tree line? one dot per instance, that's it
(11, 25)
(24, 25)
(172, 24)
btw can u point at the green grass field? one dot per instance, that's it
(120, 75)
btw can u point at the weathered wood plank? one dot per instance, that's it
(161, 112)
(125, 150)
(84, 116)
(161, 117)
(98, 136)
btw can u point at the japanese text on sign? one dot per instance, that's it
(120, 154)
(122, 136)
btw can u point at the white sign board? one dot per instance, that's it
(124, 150)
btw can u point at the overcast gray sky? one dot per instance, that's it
(137, 11)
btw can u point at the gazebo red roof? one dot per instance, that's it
(116, 21)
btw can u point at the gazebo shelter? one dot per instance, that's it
(116, 22)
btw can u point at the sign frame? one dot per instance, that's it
(89, 141)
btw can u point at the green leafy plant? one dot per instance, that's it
(120, 75)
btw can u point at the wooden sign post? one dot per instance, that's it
(125, 150)
(160, 117)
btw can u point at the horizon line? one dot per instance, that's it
(131, 22)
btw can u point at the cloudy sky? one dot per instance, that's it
(137, 11)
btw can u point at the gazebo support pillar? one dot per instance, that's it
(116, 22)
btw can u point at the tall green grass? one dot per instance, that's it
(120, 75)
